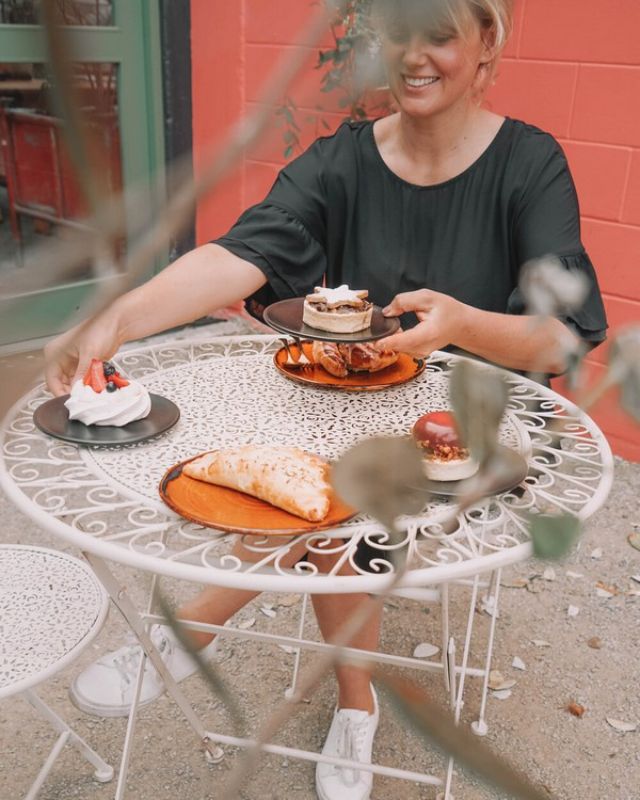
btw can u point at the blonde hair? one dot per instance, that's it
(495, 18)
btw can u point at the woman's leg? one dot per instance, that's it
(332, 611)
(216, 604)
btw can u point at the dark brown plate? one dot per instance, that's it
(286, 316)
(237, 512)
(53, 419)
(405, 369)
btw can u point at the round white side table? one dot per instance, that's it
(51, 607)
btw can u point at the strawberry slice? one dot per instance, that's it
(87, 375)
(119, 381)
(97, 381)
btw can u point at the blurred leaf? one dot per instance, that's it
(438, 727)
(479, 397)
(553, 536)
(383, 477)
(574, 360)
(634, 540)
(550, 289)
(88, 162)
(624, 365)
(495, 472)
(208, 672)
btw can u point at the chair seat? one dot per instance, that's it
(51, 607)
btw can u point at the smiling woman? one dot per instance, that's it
(441, 51)
(433, 210)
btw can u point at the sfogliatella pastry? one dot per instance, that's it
(341, 359)
(283, 476)
(104, 397)
(445, 457)
(341, 310)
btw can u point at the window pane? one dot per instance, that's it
(72, 12)
(40, 195)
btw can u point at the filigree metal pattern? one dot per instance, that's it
(229, 393)
(49, 602)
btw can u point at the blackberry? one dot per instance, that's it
(111, 387)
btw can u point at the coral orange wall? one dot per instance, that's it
(572, 67)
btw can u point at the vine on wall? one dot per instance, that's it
(351, 68)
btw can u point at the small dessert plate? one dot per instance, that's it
(236, 512)
(52, 418)
(285, 316)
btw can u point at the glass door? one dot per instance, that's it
(117, 77)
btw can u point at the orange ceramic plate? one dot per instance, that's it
(236, 512)
(405, 369)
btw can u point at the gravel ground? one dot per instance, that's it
(573, 758)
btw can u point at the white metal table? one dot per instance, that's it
(105, 500)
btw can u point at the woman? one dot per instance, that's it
(434, 210)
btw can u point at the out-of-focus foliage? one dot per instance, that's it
(553, 536)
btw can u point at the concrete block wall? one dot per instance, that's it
(571, 67)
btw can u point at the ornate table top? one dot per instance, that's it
(105, 500)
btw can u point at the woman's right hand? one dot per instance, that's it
(67, 357)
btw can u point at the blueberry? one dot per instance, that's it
(108, 368)
(111, 387)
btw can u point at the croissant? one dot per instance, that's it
(329, 356)
(363, 357)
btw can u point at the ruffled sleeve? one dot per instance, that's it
(279, 244)
(589, 322)
(284, 236)
(547, 223)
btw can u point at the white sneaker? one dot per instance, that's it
(350, 736)
(106, 688)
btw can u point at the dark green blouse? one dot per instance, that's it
(339, 212)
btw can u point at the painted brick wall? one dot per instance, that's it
(572, 67)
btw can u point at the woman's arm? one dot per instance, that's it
(197, 283)
(532, 344)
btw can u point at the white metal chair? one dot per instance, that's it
(51, 607)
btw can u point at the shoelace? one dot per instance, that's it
(127, 663)
(350, 738)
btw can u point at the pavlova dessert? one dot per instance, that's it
(104, 397)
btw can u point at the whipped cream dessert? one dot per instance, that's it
(104, 397)
(108, 408)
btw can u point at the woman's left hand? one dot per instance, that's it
(440, 319)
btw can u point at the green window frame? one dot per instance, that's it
(134, 44)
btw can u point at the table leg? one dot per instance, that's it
(296, 666)
(444, 615)
(480, 727)
(125, 606)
